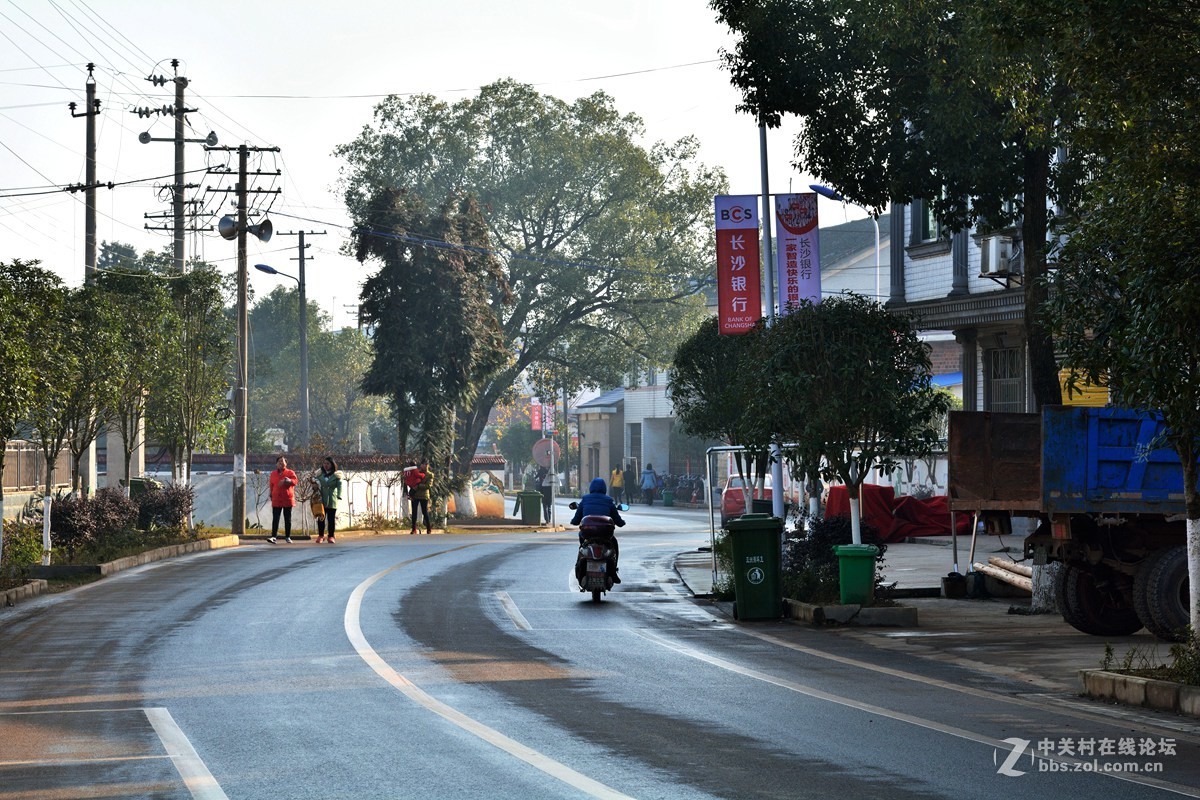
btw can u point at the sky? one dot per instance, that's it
(304, 76)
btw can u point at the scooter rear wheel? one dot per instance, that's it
(596, 595)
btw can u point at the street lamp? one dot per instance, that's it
(304, 419)
(833, 194)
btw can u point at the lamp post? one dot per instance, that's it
(304, 418)
(833, 194)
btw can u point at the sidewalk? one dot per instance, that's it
(997, 635)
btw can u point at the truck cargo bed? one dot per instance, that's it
(995, 461)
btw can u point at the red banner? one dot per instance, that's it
(739, 291)
(535, 416)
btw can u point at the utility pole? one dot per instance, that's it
(305, 419)
(231, 229)
(92, 109)
(179, 111)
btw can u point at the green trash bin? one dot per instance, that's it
(757, 541)
(668, 497)
(531, 507)
(856, 572)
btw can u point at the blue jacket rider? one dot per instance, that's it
(597, 502)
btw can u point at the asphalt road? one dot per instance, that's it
(467, 666)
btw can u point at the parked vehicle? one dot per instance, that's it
(1110, 508)
(733, 498)
(596, 562)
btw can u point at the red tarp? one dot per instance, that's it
(897, 519)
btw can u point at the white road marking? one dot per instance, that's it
(527, 754)
(899, 716)
(199, 781)
(513, 612)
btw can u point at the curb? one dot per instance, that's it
(884, 616)
(1134, 690)
(26, 592)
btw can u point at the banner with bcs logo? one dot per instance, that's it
(739, 291)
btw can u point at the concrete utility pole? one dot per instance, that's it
(92, 109)
(231, 229)
(89, 469)
(305, 417)
(179, 111)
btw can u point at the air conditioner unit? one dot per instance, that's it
(995, 252)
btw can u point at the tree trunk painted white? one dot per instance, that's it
(464, 503)
(47, 502)
(1044, 576)
(855, 520)
(1193, 551)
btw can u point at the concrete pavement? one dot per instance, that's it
(994, 635)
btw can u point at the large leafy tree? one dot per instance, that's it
(433, 307)
(28, 294)
(1125, 288)
(600, 238)
(932, 100)
(61, 348)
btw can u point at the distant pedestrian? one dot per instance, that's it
(418, 495)
(329, 480)
(546, 487)
(649, 483)
(283, 497)
(616, 483)
(630, 481)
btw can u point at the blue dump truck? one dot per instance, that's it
(1109, 502)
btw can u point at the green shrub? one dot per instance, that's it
(723, 587)
(73, 523)
(810, 565)
(165, 507)
(22, 549)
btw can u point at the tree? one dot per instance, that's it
(60, 351)
(934, 100)
(92, 389)
(197, 356)
(27, 294)
(146, 316)
(711, 394)
(850, 381)
(274, 355)
(1124, 292)
(433, 307)
(596, 231)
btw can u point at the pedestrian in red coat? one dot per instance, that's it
(283, 497)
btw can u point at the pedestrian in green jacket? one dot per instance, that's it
(329, 481)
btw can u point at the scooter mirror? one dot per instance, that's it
(623, 506)
(572, 505)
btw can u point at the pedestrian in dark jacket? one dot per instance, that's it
(597, 503)
(418, 496)
(329, 481)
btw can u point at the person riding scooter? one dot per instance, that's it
(597, 503)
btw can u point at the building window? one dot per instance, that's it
(929, 228)
(1004, 380)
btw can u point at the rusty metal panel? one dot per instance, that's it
(995, 461)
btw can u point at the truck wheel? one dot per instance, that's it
(1093, 602)
(1167, 594)
(1143, 602)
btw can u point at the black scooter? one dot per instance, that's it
(596, 563)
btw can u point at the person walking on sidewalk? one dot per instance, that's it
(418, 495)
(283, 497)
(649, 483)
(630, 482)
(616, 484)
(329, 481)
